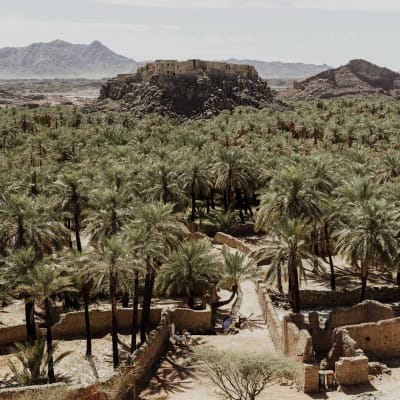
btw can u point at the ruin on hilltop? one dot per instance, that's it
(192, 67)
(188, 89)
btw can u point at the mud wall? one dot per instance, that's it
(270, 317)
(329, 298)
(367, 311)
(378, 339)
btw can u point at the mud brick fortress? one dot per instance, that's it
(175, 68)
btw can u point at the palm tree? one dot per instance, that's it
(136, 239)
(234, 177)
(79, 263)
(163, 233)
(20, 262)
(290, 195)
(74, 203)
(109, 213)
(196, 184)
(369, 238)
(288, 245)
(238, 267)
(43, 283)
(30, 222)
(193, 263)
(110, 262)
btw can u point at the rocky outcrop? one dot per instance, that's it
(358, 77)
(199, 95)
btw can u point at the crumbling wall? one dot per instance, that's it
(192, 320)
(343, 345)
(329, 298)
(150, 352)
(297, 341)
(143, 360)
(351, 371)
(367, 311)
(378, 339)
(224, 238)
(270, 317)
(73, 324)
(308, 379)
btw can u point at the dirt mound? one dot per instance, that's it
(357, 78)
(188, 96)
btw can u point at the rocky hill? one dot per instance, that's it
(59, 59)
(197, 94)
(286, 71)
(357, 78)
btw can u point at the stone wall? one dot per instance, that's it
(351, 371)
(270, 317)
(72, 325)
(228, 240)
(11, 334)
(308, 379)
(329, 298)
(150, 352)
(367, 311)
(378, 339)
(143, 360)
(194, 321)
(297, 341)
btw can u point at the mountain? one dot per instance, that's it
(357, 78)
(59, 59)
(280, 70)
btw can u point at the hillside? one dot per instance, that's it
(59, 59)
(357, 78)
(201, 90)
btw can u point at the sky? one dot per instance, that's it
(311, 31)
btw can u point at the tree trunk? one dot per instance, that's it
(77, 228)
(30, 321)
(398, 278)
(135, 312)
(148, 293)
(279, 278)
(364, 278)
(328, 249)
(234, 290)
(125, 299)
(49, 341)
(114, 321)
(193, 216)
(87, 321)
(294, 288)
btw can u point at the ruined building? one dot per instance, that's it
(174, 67)
(186, 89)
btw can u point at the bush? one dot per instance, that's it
(240, 376)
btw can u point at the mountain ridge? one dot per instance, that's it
(357, 77)
(61, 59)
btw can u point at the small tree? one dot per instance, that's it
(34, 360)
(241, 376)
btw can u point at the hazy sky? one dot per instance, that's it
(315, 31)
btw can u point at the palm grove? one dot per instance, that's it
(96, 205)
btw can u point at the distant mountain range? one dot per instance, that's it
(60, 59)
(280, 70)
